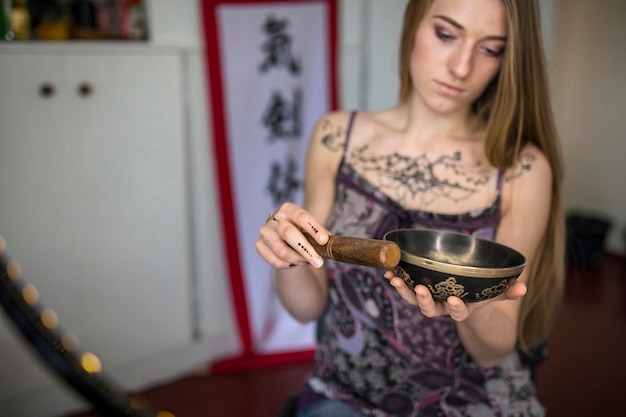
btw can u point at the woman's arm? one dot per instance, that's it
(300, 278)
(490, 333)
(488, 329)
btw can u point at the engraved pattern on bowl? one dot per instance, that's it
(455, 264)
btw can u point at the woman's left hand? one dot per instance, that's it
(454, 307)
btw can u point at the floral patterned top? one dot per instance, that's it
(379, 353)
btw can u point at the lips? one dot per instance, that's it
(449, 88)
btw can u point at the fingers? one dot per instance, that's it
(429, 306)
(420, 296)
(291, 215)
(457, 308)
(281, 240)
(290, 260)
(517, 290)
(398, 283)
(296, 241)
(304, 221)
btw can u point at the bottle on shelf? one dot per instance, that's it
(6, 34)
(53, 22)
(20, 20)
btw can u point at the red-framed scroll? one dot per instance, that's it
(271, 68)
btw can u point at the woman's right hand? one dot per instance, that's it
(282, 243)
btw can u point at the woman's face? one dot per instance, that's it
(458, 51)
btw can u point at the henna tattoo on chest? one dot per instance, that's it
(408, 178)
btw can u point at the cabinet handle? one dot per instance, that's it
(47, 90)
(85, 90)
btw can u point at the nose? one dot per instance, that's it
(461, 61)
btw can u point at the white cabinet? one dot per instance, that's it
(96, 203)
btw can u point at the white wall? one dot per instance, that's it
(589, 89)
(175, 23)
(370, 33)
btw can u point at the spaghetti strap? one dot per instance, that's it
(500, 180)
(348, 131)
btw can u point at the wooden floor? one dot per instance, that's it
(586, 372)
(584, 376)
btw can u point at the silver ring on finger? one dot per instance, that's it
(271, 217)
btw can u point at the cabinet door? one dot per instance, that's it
(93, 203)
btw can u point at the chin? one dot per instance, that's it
(447, 109)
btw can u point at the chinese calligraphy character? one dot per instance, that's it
(283, 119)
(283, 181)
(277, 48)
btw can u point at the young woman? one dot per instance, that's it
(471, 147)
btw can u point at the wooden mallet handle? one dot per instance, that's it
(360, 251)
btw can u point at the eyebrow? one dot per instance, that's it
(459, 26)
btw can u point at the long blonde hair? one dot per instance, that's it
(516, 110)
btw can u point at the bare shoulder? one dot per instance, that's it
(330, 131)
(330, 134)
(324, 155)
(326, 147)
(531, 167)
(527, 190)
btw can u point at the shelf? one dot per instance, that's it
(91, 48)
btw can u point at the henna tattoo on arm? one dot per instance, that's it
(333, 137)
(524, 164)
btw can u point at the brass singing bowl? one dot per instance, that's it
(455, 264)
(447, 263)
